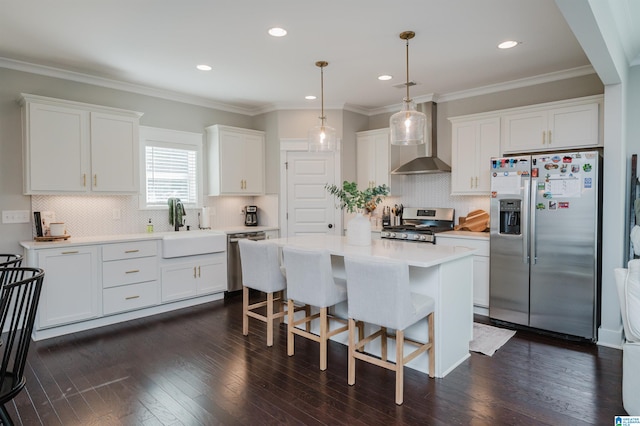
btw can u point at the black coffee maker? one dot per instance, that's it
(251, 216)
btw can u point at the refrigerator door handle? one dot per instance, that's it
(524, 221)
(532, 212)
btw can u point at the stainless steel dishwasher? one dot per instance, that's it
(234, 268)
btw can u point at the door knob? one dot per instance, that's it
(330, 225)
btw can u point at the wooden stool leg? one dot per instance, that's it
(324, 325)
(290, 342)
(360, 326)
(432, 350)
(269, 319)
(245, 309)
(399, 367)
(383, 344)
(307, 313)
(351, 375)
(280, 305)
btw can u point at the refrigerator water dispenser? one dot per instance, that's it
(510, 217)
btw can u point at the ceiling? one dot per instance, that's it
(156, 44)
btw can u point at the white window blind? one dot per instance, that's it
(170, 172)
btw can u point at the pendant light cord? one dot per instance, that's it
(407, 84)
(322, 93)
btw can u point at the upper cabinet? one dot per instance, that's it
(374, 161)
(474, 142)
(71, 147)
(236, 161)
(553, 126)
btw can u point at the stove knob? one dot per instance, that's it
(392, 234)
(403, 236)
(423, 238)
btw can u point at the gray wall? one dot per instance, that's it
(157, 112)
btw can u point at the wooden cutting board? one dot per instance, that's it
(476, 221)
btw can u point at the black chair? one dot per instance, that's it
(10, 260)
(19, 296)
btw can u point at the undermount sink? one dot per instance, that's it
(190, 243)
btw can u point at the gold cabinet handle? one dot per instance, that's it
(199, 272)
(84, 179)
(132, 251)
(131, 297)
(476, 182)
(549, 142)
(133, 271)
(543, 134)
(95, 180)
(194, 272)
(71, 252)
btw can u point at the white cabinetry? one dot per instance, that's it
(130, 273)
(191, 276)
(70, 147)
(272, 234)
(553, 126)
(474, 141)
(70, 291)
(236, 161)
(480, 263)
(374, 161)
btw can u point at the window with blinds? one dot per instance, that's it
(170, 172)
(170, 167)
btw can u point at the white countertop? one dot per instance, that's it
(416, 254)
(463, 234)
(121, 238)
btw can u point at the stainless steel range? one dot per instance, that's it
(420, 224)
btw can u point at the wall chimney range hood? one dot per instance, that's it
(424, 164)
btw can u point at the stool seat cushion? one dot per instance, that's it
(310, 278)
(379, 293)
(261, 266)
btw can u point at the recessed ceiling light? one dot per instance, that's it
(508, 44)
(277, 32)
(204, 67)
(384, 77)
(310, 97)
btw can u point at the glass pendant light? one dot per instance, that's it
(322, 137)
(409, 125)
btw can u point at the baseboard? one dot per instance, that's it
(610, 338)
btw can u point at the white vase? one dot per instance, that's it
(359, 231)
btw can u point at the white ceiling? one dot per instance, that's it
(158, 43)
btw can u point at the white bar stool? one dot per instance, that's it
(379, 294)
(261, 271)
(310, 281)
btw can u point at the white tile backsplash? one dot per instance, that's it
(434, 190)
(98, 215)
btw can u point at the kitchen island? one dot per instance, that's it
(441, 272)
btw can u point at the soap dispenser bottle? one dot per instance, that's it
(149, 226)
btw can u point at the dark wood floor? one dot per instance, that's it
(194, 367)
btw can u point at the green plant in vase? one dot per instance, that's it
(355, 200)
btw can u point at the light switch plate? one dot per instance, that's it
(16, 216)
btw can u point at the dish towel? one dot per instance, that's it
(176, 211)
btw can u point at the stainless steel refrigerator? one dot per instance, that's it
(545, 242)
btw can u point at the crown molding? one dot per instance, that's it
(208, 103)
(119, 85)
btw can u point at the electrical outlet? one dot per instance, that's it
(16, 216)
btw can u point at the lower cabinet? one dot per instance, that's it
(480, 264)
(191, 276)
(129, 276)
(70, 292)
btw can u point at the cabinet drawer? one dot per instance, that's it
(130, 297)
(129, 250)
(129, 271)
(480, 245)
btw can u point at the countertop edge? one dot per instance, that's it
(484, 236)
(123, 238)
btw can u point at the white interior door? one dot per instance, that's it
(310, 208)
